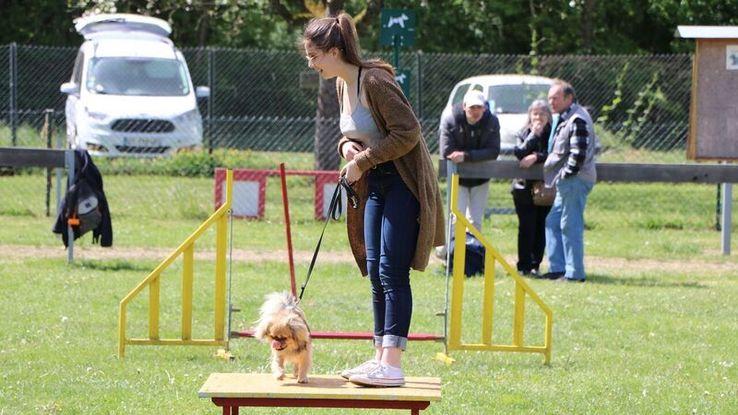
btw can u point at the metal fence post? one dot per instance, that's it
(13, 83)
(58, 173)
(211, 85)
(418, 83)
(47, 129)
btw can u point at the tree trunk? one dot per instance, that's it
(588, 26)
(327, 131)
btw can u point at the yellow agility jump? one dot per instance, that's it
(186, 249)
(457, 294)
(453, 314)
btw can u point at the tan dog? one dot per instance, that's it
(282, 324)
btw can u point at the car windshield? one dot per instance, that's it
(137, 76)
(515, 99)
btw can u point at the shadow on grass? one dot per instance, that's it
(114, 265)
(607, 279)
(641, 282)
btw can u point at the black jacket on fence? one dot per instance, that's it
(86, 202)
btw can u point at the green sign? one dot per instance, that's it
(403, 79)
(397, 24)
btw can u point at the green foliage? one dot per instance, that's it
(472, 26)
(201, 163)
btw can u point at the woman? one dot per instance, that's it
(400, 217)
(531, 148)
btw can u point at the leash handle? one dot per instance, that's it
(334, 212)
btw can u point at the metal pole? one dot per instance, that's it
(13, 74)
(57, 172)
(47, 127)
(419, 90)
(396, 58)
(211, 84)
(727, 216)
(450, 171)
(69, 161)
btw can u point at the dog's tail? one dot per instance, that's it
(276, 301)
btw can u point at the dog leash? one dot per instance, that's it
(334, 212)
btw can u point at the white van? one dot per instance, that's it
(131, 92)
(508, 96)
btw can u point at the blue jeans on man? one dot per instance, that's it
(565, 228)
(391, 234)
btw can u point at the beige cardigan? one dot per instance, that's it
(403, 143)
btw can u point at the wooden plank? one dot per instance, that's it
(31, 157)
(610, 172)
(262, 385)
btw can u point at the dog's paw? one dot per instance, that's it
(278, 375)
(302, 380)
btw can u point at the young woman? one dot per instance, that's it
(400, 216)
(531, 148)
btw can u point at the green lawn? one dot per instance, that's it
(625, 342)
(652, 331)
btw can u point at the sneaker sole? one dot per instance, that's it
(378, 384)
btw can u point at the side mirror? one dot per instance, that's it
(69, 88)
(202, 92)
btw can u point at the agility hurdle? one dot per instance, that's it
(451, 342)
(521, 290)
(254, 182)
(152, 281)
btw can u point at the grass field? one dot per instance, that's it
(654, 330)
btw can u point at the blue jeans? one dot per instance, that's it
(390, 233)
(565, 228)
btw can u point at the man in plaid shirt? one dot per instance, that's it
(570, 167)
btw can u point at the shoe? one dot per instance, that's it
(565, 280)
(383, 376)
(365, 367)
(534, 273)
(525, 273)
(552, 275)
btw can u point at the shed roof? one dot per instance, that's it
(707, 32)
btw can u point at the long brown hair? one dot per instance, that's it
(339, 32)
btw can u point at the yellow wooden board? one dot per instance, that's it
(262, 385)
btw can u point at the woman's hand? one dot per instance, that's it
(351, 171)
(350, 149)
(537, 128)
(528, 161)
(456, 156)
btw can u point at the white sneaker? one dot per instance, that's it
(382, 375)
(365, 367)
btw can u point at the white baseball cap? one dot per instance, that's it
(474, 97)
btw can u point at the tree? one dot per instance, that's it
(327, 130)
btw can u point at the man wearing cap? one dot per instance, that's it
(471, 133)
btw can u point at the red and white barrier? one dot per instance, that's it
(249, 190)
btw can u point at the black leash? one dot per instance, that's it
(334, 212)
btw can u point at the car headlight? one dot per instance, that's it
(190, 115)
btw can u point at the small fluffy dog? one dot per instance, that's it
(282, 324)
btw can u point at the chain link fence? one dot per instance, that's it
(262, 108)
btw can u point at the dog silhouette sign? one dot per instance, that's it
(397, 23)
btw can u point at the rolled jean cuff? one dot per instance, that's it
(378, 341)
(390, 340)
